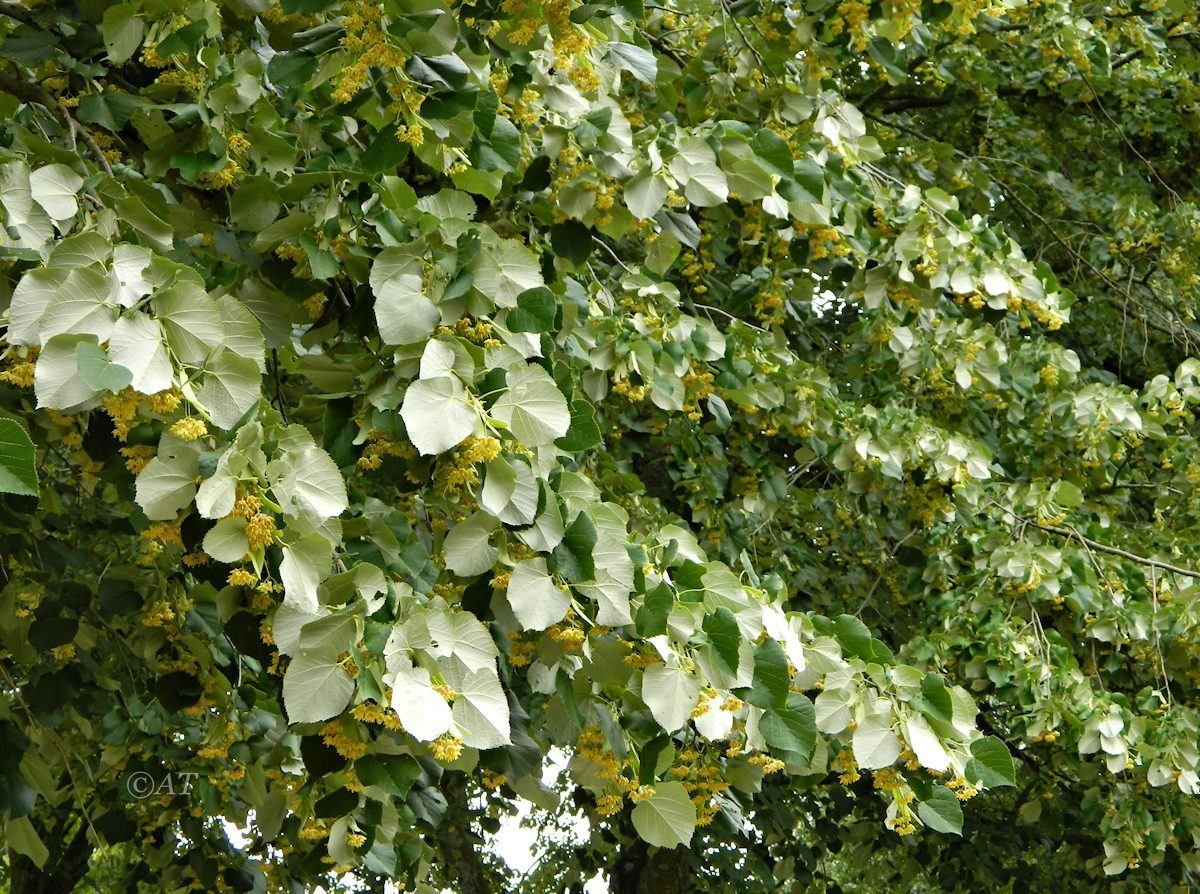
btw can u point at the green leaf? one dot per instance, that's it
(499, 151)
(991, 764)
(226, 541)
(80, 306)
(291, 69)
(168, 483)
(24, 839)
(875, 744)
(772, 680)
(322, 263)
(532, 407)
(466, 546)
(644, 194)
(123, 31)
(667, 818)
(232, 385)
(792, 728)
(721, 628)
(810, 178)
(304, 479)
(584, 433)
(941, 811)
(394, 773)
(54, 188)
(637, 61)
(480, 709)
(884, 52)
(183, 41)
(695, 166)
(670, 693)
(575, 553)
(571, 240)
(315, 686)
(857, 641)
(503, 271)
(774, 151)
(98, 371)
(18, 474)
(446, 71)
(934, 700)
(437, 414)
(404, 314)
(137, 344)
(534, 597)
(56, 379)
(536, 311)
(655, 609)
(510, 491)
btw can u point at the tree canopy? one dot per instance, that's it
(781, 412)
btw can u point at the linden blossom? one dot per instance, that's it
(690, 399)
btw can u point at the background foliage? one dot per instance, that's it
(784, 410)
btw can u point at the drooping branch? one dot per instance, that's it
(38, 94)
(1073, 534)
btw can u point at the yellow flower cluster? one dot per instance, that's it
(478, 450)
(886, 779)
(826, 241)
(165, 401)
(313, 830)
(366, 44)
(446, 749)
(192, 80)
(846, 767)
(260, 530)
(378, 446)
(189, 428)
(165, 532)
(570, 638)
(493, 780)
(20, 370)
(158, 614)
(121, 408)
(356, 839)
(520, 649)
(850, 18)
(239, 143)
(137, 457)
(479, 332)
(335, 735)
(413, 134)
(608, 805)
(632, 393)
(643, 659)
(592, 747)
(314, 305)
(246, 506)
(370, 712)
(240, 577)
(64, 652)
(227, 176)
(962, 790)
(767, 763)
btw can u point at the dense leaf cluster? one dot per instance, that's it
(780, 412)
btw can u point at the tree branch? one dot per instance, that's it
(36, 93)
(1071, 533)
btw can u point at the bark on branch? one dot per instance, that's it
(1072, 534)
(38, 94)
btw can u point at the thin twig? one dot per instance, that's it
(1072, 534)
(36, 93)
